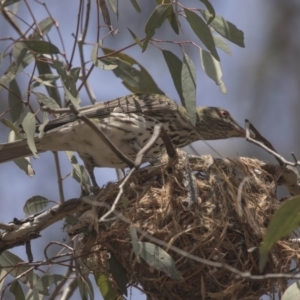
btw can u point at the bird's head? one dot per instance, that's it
(215, 123)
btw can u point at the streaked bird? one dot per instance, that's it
(128, 122)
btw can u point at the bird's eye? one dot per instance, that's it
(224, 114)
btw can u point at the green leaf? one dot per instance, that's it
(175, 67)
(154, 22)
(107, 290)
(9, 261)
(225, 28)
(172, 16)
(292, 292)
(47, 280)
(135, 38)
(210, 9)
(8, 2)
(15, 101)
(28, 125)
(135, 77)
(119, 274)
(136, 5)
(14, 128)
(69, 83)
(159, 259)
(97, 62)
(284, 222)
(202, 31)
(16, 290)
(79, 173)
(114, 5)
(34, 205)
(188, 83)
(42, 47)
(105, 13)
(43, 99)
(212, 68)
(135, 242)
(46, 75)
(44, 26)
(22, 60)
(221, 44)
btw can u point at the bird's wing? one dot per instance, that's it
(135, 103)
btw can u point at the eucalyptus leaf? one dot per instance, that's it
(136, 5)
(202, 31)
(225, 28)
(159, 259)
(42, 47)
(175, 67)
(34, 205)
(212, 68)
(284, 222)
(28, 125)
(188, 83)
(157, 18)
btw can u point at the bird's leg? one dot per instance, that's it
(89, 165)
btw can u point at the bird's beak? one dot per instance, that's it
(241, 132)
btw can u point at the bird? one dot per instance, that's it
(128, 122)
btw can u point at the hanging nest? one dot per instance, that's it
(223, 221)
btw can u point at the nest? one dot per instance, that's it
(226, 223)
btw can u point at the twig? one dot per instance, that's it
(267, 146)
(59, 178)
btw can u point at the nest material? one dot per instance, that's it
(227, 223)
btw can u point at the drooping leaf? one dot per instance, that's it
(157, 18)
(202, 31)
(47, 280)
(14, 128)
(210, 9)
(175, 67)
(15, 101)
(136, 5)
(79, 173)
(69, 83)
(135, 38)
(212, 68)
(225, 28)
(22, 60)
(35, 204)
(9, 261)
(43, 99)
(28, 125)
(114, 5)
(9, 2)
(46, 75)
(292, 292)
(284, 222)
(44, 27)
(17, 290)
(104, 11)
(188, 83)
(135, 77)
(107, 290)
(135, 243)
(42, 47)
(97, 62)
(172, 16)
(159, 259)
(221, 44)
(119, 274)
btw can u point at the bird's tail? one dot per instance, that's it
(13, 150)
